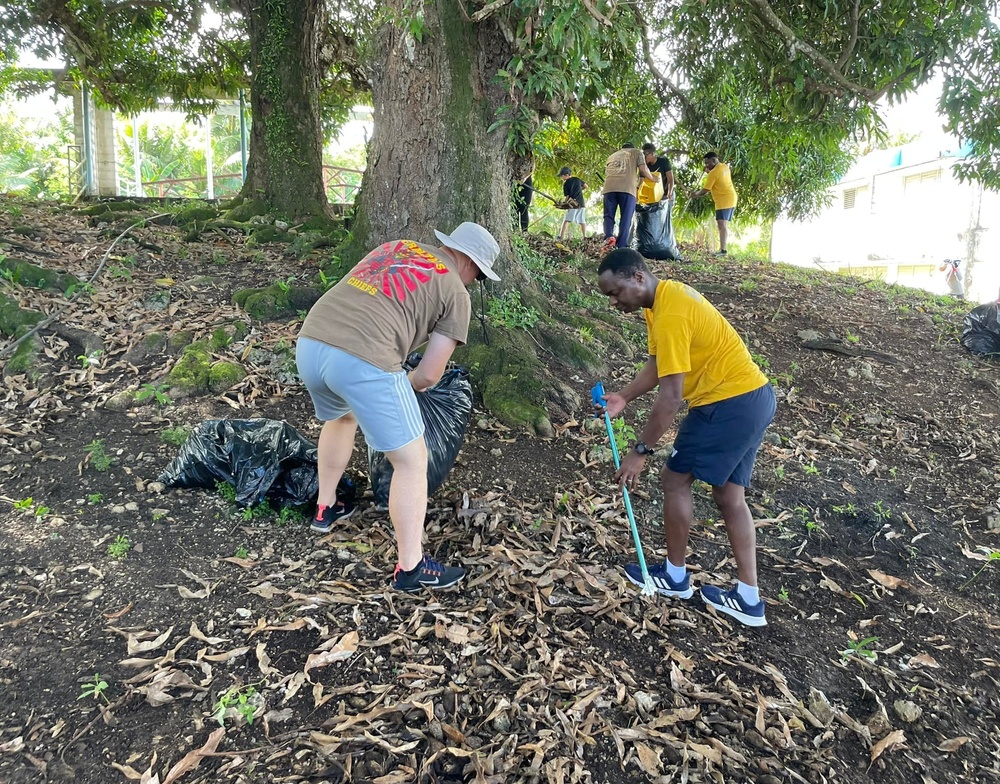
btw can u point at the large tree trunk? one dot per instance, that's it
(285, 168)
(432, 161)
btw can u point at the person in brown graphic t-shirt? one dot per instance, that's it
(350, 356)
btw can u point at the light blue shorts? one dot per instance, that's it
(339, 383)
(578, 215)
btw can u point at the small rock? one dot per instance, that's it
(908, 711)
(483, 671)
(155, 487)
(866, 371)
(820, 707)
(280, 225)
(993, 522)
(118, 509)
(593, 425)
(544, 428)
(878, 724)
(434, 728)
(873, 418)
(319, 555)
(344, 554)
(243, 612)
(644, 702)
(501, 723)
(482, 424)
(159, 513)
(119, 401)
(131, 506)
(809, 334)
(496, 452)
(772, 438)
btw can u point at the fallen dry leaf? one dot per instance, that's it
(894, 740)
(135, 645)
(193, 759)
(953, 744)
(887, 580)
(343, 649)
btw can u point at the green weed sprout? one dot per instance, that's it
(95, 689)
(861, 649)
(119, 548)
(991, 557)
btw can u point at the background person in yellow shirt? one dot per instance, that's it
(694, 355)
(719, 183)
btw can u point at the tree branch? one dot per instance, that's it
(852, 39)
(816, 57)
(663, 82)
(488, 10)
(604, 20)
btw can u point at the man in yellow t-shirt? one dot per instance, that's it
(694, 355)
(719, 183)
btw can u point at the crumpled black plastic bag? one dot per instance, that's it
(981, 330)
(261, 458)
(654, 231)
(446, 409)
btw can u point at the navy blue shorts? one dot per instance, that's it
(718, 442)
(726, 214)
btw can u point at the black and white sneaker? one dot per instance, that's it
(427, 574)
(732, 604)
(661, 580)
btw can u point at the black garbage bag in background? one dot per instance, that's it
(981, 330)
(261, 458)
(654, 232)
(446, 409)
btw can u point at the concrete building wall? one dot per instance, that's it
(896, 216)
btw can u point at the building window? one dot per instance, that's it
(852, 196)
(916, 182)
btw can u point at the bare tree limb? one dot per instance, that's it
(488, 10)
(852, 39)
(815, 56)
(663, 82)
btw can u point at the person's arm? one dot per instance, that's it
(698, 193)
(435, 360)
(670, 185)
(644, 381)
(644, 171)
(665, 408)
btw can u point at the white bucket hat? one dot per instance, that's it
(476, 243)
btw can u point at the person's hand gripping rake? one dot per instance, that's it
(597, 396)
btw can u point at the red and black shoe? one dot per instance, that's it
(427, 574)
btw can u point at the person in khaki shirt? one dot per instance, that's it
(350, 355)
(620, 185)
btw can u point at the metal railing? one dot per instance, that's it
(336, 182)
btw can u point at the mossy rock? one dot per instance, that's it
(226, 334)
(263, 234)
(25, 359)
(507, 376)
(246, 209)
(179, 340)
(193, 370)
(28, 274)
(223, 374)
(14, 320)
(155, 341)
(569, 349)
(195, 213)
(276, 302)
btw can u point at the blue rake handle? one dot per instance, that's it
(597, 396)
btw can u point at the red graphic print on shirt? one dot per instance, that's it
(395, 269)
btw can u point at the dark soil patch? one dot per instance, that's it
(877, 499)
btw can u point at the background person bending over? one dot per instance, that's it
(694, 355)
(620, 181)
(350, 355)
(719, 183)
(573, 189)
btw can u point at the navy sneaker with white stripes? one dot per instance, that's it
(661, 580)
(731, 603)
(426, 574)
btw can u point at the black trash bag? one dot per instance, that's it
(261, 458)
(446, 409)
(981, 330)
(654, 231)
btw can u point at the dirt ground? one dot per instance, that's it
(237, 646)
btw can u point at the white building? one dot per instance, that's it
(897, 215)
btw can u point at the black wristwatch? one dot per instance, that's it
(641, 448)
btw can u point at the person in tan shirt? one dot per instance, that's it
(350, 355)
(620, 184)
